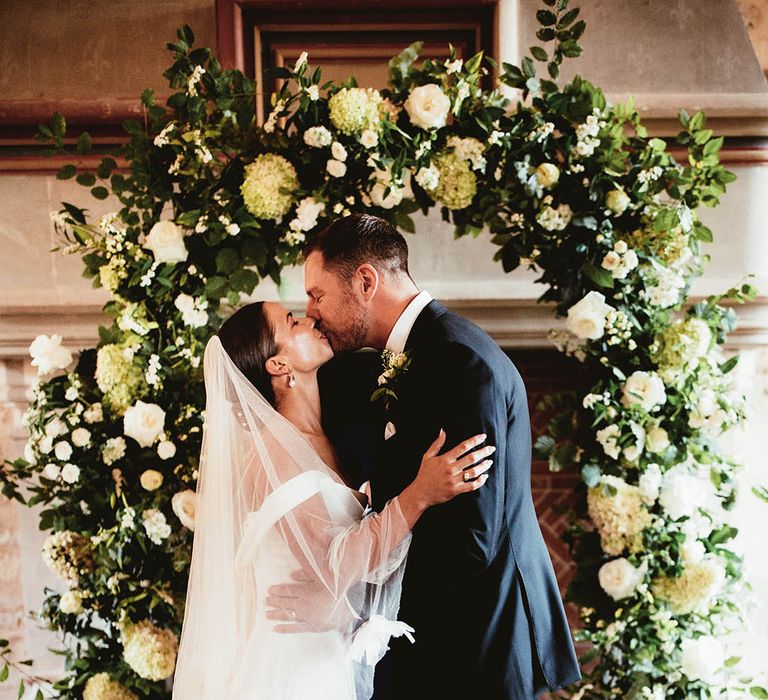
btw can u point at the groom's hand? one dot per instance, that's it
(305, 605)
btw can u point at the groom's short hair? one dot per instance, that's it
(353, 240)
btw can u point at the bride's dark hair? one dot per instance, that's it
(249, 340)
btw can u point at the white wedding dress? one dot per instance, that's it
(267, 507)
(298, 666)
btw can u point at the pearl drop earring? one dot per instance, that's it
(291, 380)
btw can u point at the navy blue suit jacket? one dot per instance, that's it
(479, 587)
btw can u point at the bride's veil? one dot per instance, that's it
(257, 476)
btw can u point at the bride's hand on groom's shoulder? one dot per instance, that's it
(460, 470)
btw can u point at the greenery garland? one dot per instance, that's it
(567, 185)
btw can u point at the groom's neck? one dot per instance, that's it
(391, 300)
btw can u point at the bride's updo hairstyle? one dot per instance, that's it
(249, 340)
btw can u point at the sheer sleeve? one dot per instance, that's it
(263, 491)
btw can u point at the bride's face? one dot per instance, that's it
(304, 346)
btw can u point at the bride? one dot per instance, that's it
(272, 502)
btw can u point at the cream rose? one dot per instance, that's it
(428, 106)
(702, 658)
(547, 175)
(183, 504)
(617, 201)
(166, 449)
(81, 437)
(336, 168)
(151, 479)
(71, 603)
(166, 241)
(644, 389)
(586, 318)
(48, 354)
(619, 578)
(144, 422)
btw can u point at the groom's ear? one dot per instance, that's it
(277, 366)
(368, 280)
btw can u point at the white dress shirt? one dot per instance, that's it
(402, 328)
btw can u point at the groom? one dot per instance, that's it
(479, 588)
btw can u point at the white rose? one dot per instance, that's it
(369, 138)
(51, 471)
(45, 445)
(336, 168)
(692, 551)
(70, 473)
(547, 175)
(338, 151)
(392, 199)
(586, 319)
(702, 333)
(702, 658)
(619, 578)
(48, 354)
(81, 437)
(56, 427)
(63, 451)
(71, 603)
(151, 479)
(656, 440)
(144, 422)
(644, 389)
(183, 504)
(428, 106)
(617, 201)
(166, 449)
(166, 241)
(682, 493)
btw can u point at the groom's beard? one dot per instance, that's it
(350, 334)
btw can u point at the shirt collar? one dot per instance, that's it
(402, 328)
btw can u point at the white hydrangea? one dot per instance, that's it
(155, 525)
(113, 449)
(318, 137)
(664, 291)
(553, 219)
(468, 149)
(428, 178)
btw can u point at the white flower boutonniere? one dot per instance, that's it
(394, 366)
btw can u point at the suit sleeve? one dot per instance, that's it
(469, 398)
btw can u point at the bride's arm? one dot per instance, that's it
(333, 558)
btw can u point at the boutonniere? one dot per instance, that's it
(394, 365)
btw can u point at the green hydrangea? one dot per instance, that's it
(149, 650)
(102, 687)
(678, 348)
(352, 110)
(457, 185)
(118, 376)
(268, 187)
